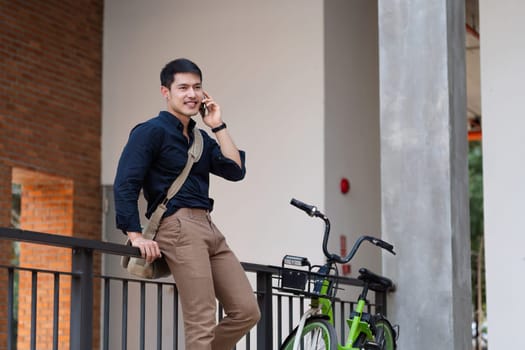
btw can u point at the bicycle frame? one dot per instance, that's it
(357, 327)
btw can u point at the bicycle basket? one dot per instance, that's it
(309, 281)
(294, 280)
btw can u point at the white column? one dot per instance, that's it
(502, 50)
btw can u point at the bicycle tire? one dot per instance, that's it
(318, 334)
(384, 333)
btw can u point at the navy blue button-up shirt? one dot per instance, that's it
(152, 159)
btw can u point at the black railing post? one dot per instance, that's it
(264, 298)
(381, 302)
(81, 324)
(11, 334)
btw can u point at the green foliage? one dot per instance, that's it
(475, 162)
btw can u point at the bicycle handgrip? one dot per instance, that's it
(385, 245)
(308, 209)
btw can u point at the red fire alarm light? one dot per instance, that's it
(345, 185)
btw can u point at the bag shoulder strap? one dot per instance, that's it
(194, 154)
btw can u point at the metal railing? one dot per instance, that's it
(158, 311)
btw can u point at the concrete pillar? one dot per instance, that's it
(424, 175)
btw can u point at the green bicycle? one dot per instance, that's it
(316, 328)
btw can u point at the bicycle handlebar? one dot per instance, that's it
(308, 209)
(313, 211)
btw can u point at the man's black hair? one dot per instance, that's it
(180, 65)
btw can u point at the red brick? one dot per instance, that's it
(50, 123)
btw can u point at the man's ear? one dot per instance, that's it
(165, 92)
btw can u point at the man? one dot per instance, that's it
(201, 262)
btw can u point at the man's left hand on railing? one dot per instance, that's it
(149, 249)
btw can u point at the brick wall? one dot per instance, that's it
(50, 107)
(46, 206)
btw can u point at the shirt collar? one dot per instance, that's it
(172, 119)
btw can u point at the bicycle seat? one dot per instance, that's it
(370, 277)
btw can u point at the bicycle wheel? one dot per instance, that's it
(318, 334)
(384, 334)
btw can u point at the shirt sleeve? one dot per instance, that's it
(225, 167)
(133, 166)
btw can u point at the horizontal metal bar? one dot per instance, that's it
(67, 241)
(250, 267)
(137, 280)
(30, 269)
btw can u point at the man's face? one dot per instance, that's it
(185, 95)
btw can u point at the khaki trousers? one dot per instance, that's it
(205, 269)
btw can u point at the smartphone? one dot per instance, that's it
(203, 109)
